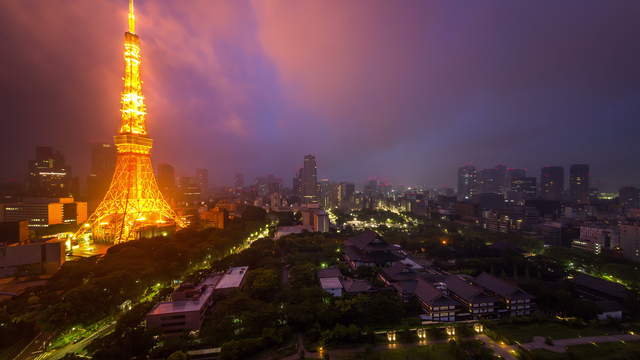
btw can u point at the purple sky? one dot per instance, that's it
(406, 91)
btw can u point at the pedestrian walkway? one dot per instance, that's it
(561, 345)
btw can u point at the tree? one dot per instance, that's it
(178, 355)
(263, 284)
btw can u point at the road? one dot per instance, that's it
(71, 348)
(34, 348)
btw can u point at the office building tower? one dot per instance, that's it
(629, 197)
(346, 195)
(309, 179)
(514, 174)
(167, 182)
(488, 181)
(103, 162)
(579, 183)
(527, 186)
(467, 182)
(522, 189)
(190, 190)
(202, 177)
(49, 175)
(324, 187)
(296, 185)
(552, 183)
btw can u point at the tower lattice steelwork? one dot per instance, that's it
(133, 200)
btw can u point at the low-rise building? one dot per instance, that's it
(515, 300)
(600, 288)
(213, 218)
(475, 300)
(436, 302)
(402, 278)
(315, 220)
(596, 238)
(233, 278)
(609, 296)
(332, 285)
(333, 282)
(186, 310)
(189, 303)
(43, 212)
(369, 249)
(32, 258)
(14, 232)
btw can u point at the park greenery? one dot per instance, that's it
(282, 300)
(87, 291)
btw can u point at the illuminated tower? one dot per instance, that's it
(133, 200)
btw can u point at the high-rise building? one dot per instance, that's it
(103, 162)
(49, 175)
(579, 183)
(514, 174)
(346, 195)
(134, 201)
(501, 179)
(629, 197)
(467, 182)
(488, 181)
(296, 184)
(552, 183)
(522, 189)
(309, 179)
(267, 185)
(167, 181)
(328, 194)
(630, 241)
(202, 177)
(190, 191)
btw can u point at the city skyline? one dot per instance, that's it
(344, 180)
(242, 89)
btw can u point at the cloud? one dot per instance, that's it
(371, 87)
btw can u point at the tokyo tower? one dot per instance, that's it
(133, 201)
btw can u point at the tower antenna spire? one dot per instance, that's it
(132, 18)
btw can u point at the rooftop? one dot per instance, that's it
(330, 283)
(190, 304)
(609, 288)
(430, 295)
(232, 278)
(500, 286)
(356, 285)
(466, 290)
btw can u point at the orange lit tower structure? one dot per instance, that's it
(133, 200)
